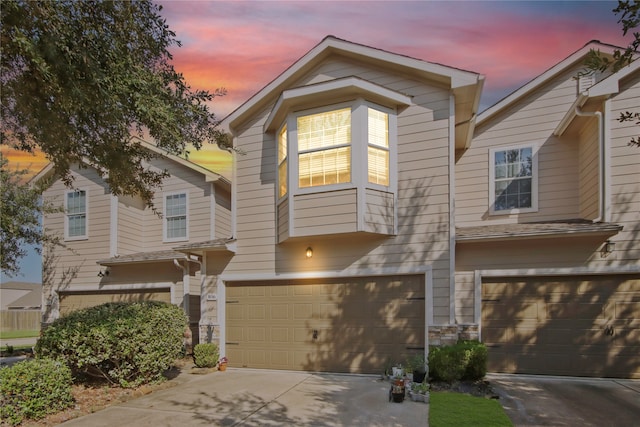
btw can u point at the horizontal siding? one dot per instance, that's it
(589, 166)
(325, 213)
(379, 215)
(283, 220)
(530, 121)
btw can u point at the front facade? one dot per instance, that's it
(374, 213)
(118, 249)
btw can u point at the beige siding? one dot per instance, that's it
(131, 214)
(423, 201)
(222, 213)
(625, 175)
(379, 216)
(530, 121)
(283, 220)
(589, 166)
(325, 213)
(82, 254)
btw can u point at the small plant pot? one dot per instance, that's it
(397, 397)
(222, 367)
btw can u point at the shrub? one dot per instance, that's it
(205, 355)
(466, 360)
(126, 343)
(33, 389)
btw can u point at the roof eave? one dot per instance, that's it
(611, 231)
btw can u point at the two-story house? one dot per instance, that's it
(376, 212)
(118, 249)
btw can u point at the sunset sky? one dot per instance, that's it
(243, 45)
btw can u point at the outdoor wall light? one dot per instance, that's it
(103, 273)
(309, 252)
(607, 248)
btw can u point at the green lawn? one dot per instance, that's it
(460, 410)
(10, 335)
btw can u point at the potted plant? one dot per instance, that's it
(418, 367)
(397, 371)
(222, 364)
(419, 392)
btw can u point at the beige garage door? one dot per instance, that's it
(581, 326)
(71, 301)
(342, 325)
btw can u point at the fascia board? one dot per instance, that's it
(350, 85)
(541, 79)
(611, 84)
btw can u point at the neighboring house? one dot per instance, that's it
(118, 249)
(20, 296)
(548, 226)
(20, 304)
(375, 213)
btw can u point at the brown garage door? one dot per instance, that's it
(71, 301)
(342, 325)
(581, 326)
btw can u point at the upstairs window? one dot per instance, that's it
(378, 148)
(324, 148)
(513, 174)
(175, 217)
(76, 215)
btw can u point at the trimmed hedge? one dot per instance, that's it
(466, 360)
(32, 389)
(206, 355)
(126, 343)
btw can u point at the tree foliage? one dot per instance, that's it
(20, 210)
(80, 78)
(629, 11)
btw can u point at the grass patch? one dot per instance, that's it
(460, 410)
(11, 335)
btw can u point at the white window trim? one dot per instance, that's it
(534, 180)
(85, 236)
(359, 149)
(164, 216)
(287, 159)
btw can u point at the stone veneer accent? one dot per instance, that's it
(451, 334)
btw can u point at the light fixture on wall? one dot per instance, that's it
(309, 252)
(607, 248)
(104, 273)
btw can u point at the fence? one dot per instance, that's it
(20, 320)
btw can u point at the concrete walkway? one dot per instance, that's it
(18, 342)
(533, 400)
(245, 397)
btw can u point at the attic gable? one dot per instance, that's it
(465, 85)
(576, 58)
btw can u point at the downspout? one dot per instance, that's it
(601, 155)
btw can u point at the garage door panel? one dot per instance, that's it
(585, 326)
(360, 323)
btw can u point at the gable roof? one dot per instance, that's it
(210, 176)
(601, 90)
(533, 85)
(466, 85)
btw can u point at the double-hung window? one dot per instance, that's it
(513, 175)
(378, 147)
(176, 217)
(76, 215)
(282, 162)
(324, 148)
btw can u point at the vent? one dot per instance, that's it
(585, 82)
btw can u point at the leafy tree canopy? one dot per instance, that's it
(80, 78)
(629, 11)
(20, 210)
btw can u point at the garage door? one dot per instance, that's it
(342, 325)
(71, 301)
(580, 326)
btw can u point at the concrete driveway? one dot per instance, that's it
(531, 400)
(245, 397)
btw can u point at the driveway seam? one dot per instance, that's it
(270, 401)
